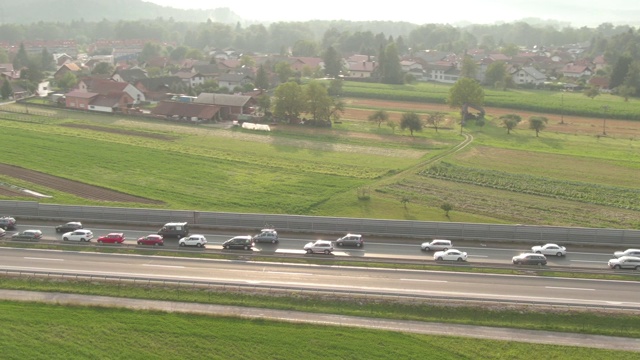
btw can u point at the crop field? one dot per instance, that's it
(38, 331)
(355, 169)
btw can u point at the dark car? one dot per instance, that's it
(266, 235)
(70, 226)
(176, 229)
(529, 259)
(350, 240)
(7, 223)
(239, 242)
(27, 235)
(152, 239)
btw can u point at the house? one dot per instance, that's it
(413, 67)
(301, 63)
(443, 71)
(576, 71)
(601, 82)
(111, 102)
(129, 75)
(66, 68)
(190, 79)
(208, 71)
(361, 69)
(230, 105)
(528, 75)
(61, 59)
(79, 99)
(107, 87)
(44, 89)
(157, 89)
(231, 81)
(186, 111)
(8, 72)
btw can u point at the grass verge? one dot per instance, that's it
(38, 331)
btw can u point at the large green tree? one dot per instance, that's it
(411, 121)
(284, 71)
(332, 62)
(262, 79)
(463, 93)
(379, 117)
(392, 71)
(510, 121)
(21, 59)
(67, 81)
(289, 101)
(434, 119)
(538, 123)
(5, 90)
(318, 101)
(102, 68)
(469, 67)
(496, 74)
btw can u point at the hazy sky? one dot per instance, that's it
(576, 12)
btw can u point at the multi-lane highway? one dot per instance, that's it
(583, 292)
(594, 258)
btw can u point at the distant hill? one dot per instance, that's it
(29, 11)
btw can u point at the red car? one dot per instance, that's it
(112, 238)
(152, 239)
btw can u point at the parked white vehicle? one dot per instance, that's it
(193, 240)
(550, 249)
(450, 255)
(78, 235)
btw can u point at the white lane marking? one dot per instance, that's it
(568, 288)
(588, 261)
(165, 266)
(288, 273)
(482, 256)
(423, 280)
(46, 259)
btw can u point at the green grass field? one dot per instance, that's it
(354, 170)
(36, 331)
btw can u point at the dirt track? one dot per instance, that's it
(68, 186)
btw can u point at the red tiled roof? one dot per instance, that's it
(81, 94)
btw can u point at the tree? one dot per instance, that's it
(625, 91)
(496, 73)
(46, 60)
(262, 79)
(379, 116)
(305, 48)
(289, 101)
(284, 71)
(446, 207)
(318, 101)
(194, 54)
(21, 59)
(68, 81)
(392, 71)
(179, 53)
(469, 67)
(337, 109)
(264, 103)
(4, 56)
(619, 71)
(537, 123)
(411, 121)
(150, 51)
(464, 92)
(102, 68)
(247, 61)
(434, 119)
(510, 121)
(332, 62)
(393, 125)
(592, 91)
(5, 91)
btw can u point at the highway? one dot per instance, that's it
(564, 291)
(497, 253)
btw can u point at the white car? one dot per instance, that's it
(550, 249)
(319, 246)
(450, 255)
(78, 235)
(193, 240)
(436, 244)
(628, 252)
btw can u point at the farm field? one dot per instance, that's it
(355, 169)
(37, 331)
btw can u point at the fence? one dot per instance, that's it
(325, 225)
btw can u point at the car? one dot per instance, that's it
(550, 249)
(112, 238)
(78, 235)
(350, 240)
(7, 223)
(177, 229)
(628, 252)
(70, 226)
(436, 244)
(319, 246)
(529, 259)
(27, 235)
(151, 239)
(2, 232)
(450, 255)
(193, 240)
(625, 262)
(266, 235)
(239, 242)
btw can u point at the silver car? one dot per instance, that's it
(436, 245)
(625, 262)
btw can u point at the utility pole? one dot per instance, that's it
(605, 108)
(562, 107)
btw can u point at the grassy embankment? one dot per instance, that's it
(35, 331)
